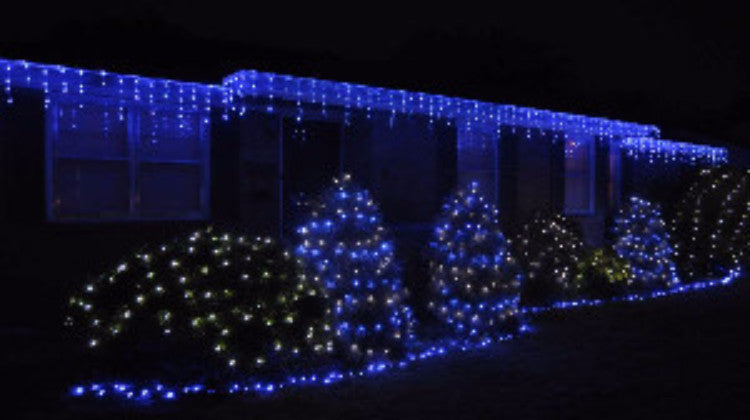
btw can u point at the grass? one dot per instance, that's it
(677, 357)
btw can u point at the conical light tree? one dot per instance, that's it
(475, 280)
(548, 249)
(641, 239)
(347, 251)
(711, 225)
(238, 301)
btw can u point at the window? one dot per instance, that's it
(112, 161)
(579, 176)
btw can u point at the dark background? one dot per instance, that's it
(682, 66)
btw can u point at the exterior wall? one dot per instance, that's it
(409, 162)
(406, 162)
(663, 182)
(531, 177)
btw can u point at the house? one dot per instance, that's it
(95, 163)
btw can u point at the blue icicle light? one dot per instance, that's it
(475, 280)
(643, 241)
(346, 250)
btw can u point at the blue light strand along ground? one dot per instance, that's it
(157, 391)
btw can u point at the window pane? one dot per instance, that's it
(91, 189)
(169, 135)
(170, 190)
(113, 161)
(91, 130)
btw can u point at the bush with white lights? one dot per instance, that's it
(474, 279)
(237, 304)
(549, 250)
(641, 239)
(349, 254)
(711, 226)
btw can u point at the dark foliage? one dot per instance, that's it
(711, 226)
(211, 304)
(549, 249)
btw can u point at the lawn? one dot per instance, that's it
(677, 357)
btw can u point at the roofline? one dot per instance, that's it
(58, 79)
(252, 83)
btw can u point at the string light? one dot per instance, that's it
(347, 252)
(256, 309)
(255, 85)
(474, 278)
(602, 274)
(711, 224)
(643, 241)
(157, 390)
(549, 250)
(671, 151)
(254, 89)
(121, 88)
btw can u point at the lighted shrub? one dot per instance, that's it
(226, 302)
(602, 274)
(349, 254)
(549, 250)
(474, 279)
(711, 227)
(641, 239)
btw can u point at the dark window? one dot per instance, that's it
(120, 161)
(311, 158)
(579, 176)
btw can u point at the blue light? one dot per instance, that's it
(347, 254)
(248, 85)
(253, 84)
(467, 288)
(666, 150)
(420, 351)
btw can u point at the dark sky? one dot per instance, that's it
(685, 67)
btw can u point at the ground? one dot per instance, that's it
(678, 357)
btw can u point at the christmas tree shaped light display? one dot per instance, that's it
(549, 250)
(475, 280)
(642, 240)
(711, 226)
(347, 251)
(239, 304)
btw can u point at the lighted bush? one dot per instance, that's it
(641, 239)
(711, 227)
(226, 302)
(474, 279)
(549, 250)
(602, 274)
(347, 252)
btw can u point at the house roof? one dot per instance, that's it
(251, 83)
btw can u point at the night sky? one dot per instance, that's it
(683, 67)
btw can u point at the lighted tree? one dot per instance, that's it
(240, 303)
(711, 226)
(641, 239)
(602, 274)
(474, 278)
(549, 250)
(347, 251)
